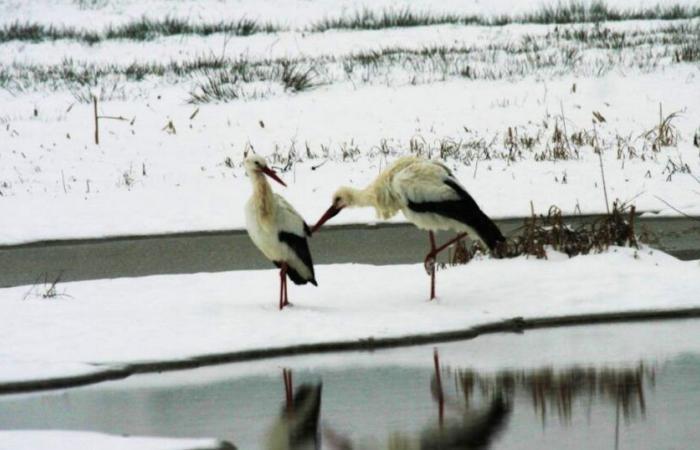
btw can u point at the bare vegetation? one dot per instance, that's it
(579, 50)
(539, 233)
(296, 78)
(146, 28)
(664, 134)
(141, 29)
(46, 288)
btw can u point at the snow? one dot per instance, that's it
(60, 440)
(37, 370)
(110, 323)
(55, 183)
(616, 345)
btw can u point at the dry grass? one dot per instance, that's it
(543, 232)
(665, 134)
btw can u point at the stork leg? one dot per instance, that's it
(283, 285)
(430, 264)
(286, 295)
(431, 257)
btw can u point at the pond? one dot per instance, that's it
(634, 385)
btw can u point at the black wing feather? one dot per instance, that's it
(300, 246)
(464, 210)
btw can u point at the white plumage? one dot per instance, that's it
(429, 196)
(277, 229)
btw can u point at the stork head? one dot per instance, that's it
(256, 165)
(343, 197)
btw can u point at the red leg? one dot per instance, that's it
(283, 284)
(430, 264)
(460, 236)
(431, 258)
(286, 295)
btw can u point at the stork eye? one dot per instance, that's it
(336, 200)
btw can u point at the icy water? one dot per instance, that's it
(626, 386)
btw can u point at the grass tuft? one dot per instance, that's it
(296, 78)
(216, 87)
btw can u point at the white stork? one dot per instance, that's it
(277, 229)
(429, 196)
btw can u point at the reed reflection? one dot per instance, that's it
(555, 391)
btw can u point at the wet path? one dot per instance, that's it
(233, 250)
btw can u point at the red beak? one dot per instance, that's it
(272, 174)
(330, 213)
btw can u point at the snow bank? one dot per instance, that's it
(61, 440)
(113, 322)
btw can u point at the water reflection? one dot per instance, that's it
(457, 426)
(409, 398)
(556, 390)
(477, 410)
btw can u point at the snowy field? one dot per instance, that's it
(331, 91)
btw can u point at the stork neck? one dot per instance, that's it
(262, 194)
(363, 197)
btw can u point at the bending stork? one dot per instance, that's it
(429, 196)
(277, 229)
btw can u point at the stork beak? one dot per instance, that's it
(272, 174)
(330, 213)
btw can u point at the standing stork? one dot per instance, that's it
(429, 196)
(277, 229)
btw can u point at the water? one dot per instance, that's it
(623, 386)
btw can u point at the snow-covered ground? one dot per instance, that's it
(61, 440)
(488, 100)
(516, 110)
(62, 187)
(95, 325)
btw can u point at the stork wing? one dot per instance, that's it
(428, 187)
(426, 182)
(289, 219)
(293, 232)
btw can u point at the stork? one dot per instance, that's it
(429, 196)
(277, 229)
(298, 425)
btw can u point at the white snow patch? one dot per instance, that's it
(64, 440)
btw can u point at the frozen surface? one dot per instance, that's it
(155, 318)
